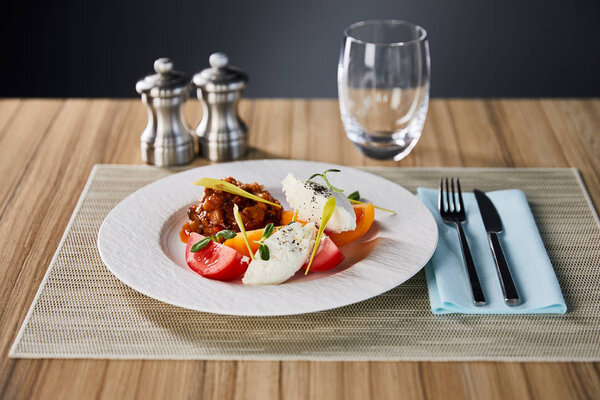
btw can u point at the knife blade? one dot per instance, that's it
(493, 226)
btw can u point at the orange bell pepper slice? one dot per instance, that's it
(239, 244)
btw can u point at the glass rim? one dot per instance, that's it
(422, 32)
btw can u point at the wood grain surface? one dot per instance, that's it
(48, 148)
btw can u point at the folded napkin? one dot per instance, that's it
(532, 271)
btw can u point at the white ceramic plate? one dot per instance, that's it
(139, 243)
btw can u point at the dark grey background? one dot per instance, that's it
(507, 48)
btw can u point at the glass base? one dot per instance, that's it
(387, 152)
(383, 145)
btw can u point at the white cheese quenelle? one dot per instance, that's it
(309, 198)
(290, 247)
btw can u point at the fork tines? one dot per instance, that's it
(449, 194)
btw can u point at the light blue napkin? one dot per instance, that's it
(524, 250)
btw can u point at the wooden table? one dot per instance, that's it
(48, 148)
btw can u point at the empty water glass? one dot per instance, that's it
(383, 86)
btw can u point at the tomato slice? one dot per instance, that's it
(365, 215)
(328, 256)
(215, 261)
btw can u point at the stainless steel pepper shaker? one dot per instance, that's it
(222, 134)
(167, 139)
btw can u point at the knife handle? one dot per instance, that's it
(511, 296)
(477, 291)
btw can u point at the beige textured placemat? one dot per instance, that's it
(82, 311)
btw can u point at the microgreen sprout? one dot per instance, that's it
(354, 196)
(225, 234)
(293, 217)
(202, 243)
(199, 245)
(328, 210)
(374, 206)
(263, 250)
(240, 223)
(324, 176)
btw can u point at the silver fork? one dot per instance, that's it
(453, 212)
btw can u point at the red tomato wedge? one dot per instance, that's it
(215, 261)
(328, 256)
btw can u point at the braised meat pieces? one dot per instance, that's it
(214, 211)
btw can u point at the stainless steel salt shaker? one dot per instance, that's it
(222, 134)
(167, 139)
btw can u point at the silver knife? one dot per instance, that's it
(493, 226)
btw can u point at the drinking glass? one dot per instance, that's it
(383, 86)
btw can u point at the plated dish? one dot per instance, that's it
(140, 239)
(238, 229)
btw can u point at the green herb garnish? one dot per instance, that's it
(324, 176)
(240, 223)
(217, 184)
(202, 243)
(199, 245)
(225, 234)
(263, 250)
(294, 217)
(354, 196)
(268, 231)
(374, 206)
(328, 210)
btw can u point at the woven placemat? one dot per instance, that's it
(82, 311)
